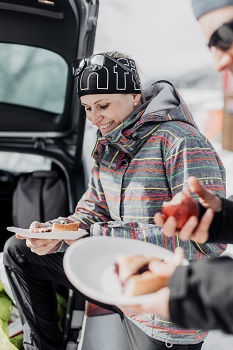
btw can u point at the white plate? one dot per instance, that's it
(89, 265)
(72, 235)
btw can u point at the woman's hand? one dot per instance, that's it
(34, 224)
(39, 246)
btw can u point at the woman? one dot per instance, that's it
(147, 146)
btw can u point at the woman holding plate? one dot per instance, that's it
(147, 146)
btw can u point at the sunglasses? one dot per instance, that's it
(95, 63)
(222, 38)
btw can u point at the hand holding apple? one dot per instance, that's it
(193, 229)
(182, 206)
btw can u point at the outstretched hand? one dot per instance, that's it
(193, 229)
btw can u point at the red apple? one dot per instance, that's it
(181, 206)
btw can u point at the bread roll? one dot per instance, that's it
(130, 265)
(147, 282)
(73, 226)
(135, 276)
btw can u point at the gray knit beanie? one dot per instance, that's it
(200, 7)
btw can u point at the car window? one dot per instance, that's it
(32, 77)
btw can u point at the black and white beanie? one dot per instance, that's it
(201, 7)
(110, 79)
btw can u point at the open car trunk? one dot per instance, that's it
(41, 122)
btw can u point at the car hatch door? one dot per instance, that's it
(39, 39)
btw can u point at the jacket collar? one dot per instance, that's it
(162, 104)
(128, 137)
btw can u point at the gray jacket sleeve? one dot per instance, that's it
(202, 295)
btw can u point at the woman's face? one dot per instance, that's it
(107, 111)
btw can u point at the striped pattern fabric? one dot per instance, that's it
(142, 163)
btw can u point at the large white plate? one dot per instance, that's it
(72, 235)
(89, 265)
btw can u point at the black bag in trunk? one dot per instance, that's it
(40, 196)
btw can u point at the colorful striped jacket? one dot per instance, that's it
(143, 162)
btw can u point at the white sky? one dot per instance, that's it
(161, 35)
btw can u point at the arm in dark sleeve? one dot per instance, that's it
(202, 295)
(221, 229)
(227, 229)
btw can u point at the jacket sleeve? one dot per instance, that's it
(221, 229)
(195, 156)
(202, 295)
(153, 234)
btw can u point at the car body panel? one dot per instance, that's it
(65, 29)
